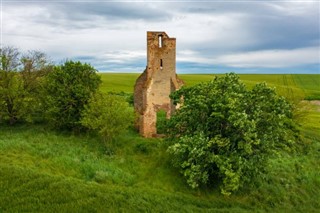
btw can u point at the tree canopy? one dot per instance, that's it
(68, 89)
(20, 83)
(224, 132)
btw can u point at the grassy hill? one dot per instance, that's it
(47, 171)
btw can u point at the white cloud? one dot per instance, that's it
(123, 56)
(277, 58)
(272, 58)
(257, 34)
(191, 56)
(295, 8)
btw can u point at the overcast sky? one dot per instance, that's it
(252, 36)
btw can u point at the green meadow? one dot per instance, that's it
(42, 170)
(292, 86)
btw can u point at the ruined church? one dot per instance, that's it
(154, 85)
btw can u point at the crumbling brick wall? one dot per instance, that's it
(154, 85)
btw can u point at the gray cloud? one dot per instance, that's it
(271, 24)
(111, 35)
(83, 14)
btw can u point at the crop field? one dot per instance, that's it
(295, 85)
(118, 82)
(42, 170)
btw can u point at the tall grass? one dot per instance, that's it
(46, 171)
(42, 170)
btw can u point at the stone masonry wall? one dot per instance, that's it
(154, 85)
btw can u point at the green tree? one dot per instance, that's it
(13, 99)
(68, 89)
(10, 59)
(109, 115)
(35, 66)
(20, 76)
(225, 133)
(10, 85)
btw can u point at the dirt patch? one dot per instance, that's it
(315, 102)
(310, 105)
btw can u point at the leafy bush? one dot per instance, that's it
(224, 132)
(127, 96)
(110, 115)
(68, 89)
(20, 83)
(13, 101)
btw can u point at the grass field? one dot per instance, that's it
(46, 171)
(292, 86)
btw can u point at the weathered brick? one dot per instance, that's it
(154, 85)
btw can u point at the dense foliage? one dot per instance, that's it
(225, 132)
(20, 84)
(109, 115)
(68, 89)
(13, 103)
(65, 96)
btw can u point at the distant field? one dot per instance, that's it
(118, 82)
(310, 84)
(292, 86)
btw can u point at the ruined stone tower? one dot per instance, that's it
(154, 85)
